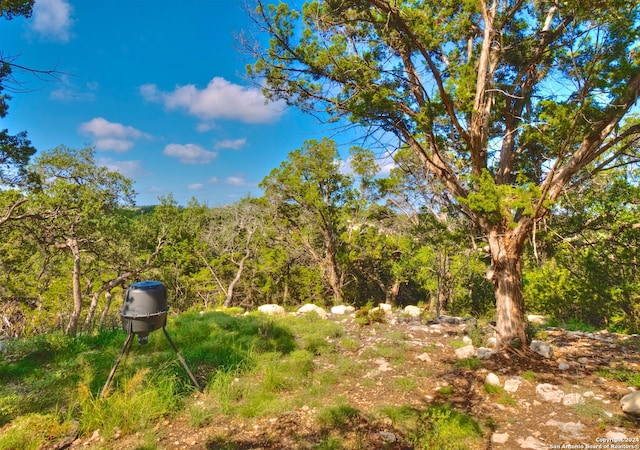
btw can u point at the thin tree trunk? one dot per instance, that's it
(72, 326)
(105, 310)
(232, 285)
(392, 292)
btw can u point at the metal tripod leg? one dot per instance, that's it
(184, 363)
(125, 350)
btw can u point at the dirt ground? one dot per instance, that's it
(525, 420)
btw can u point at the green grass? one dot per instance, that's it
(468, 363)
(631, 377)
(438, 426)
(244, 362)
(338, 417)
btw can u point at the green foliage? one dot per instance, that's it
(502, 202)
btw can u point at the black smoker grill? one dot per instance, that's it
(145, 310)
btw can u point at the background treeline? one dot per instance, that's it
(326, 231)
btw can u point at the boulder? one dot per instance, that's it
(342, 309)
(272, 310)
(541, 348)
(412, 311)
(630, 403)
(309, 307)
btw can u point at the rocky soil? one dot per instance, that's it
(541, 403)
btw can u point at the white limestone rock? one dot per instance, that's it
(341, 310)
(272, 310)
(630, 403)
(465, 352)
(572, 399)
(492, 379)
(412, 311)
(499, 438)
(549, 393)
(309, 307)
(512, 385)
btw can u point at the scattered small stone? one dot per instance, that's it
(616, 435)
(532, 443)
(424, 357)
(512, 385)
(492, 379)
(465, 352)
(573, 428)
(484, 353)
(541, 348)
(572, 399)
(492, 342)
(584, 361)
(499, 438)
(388, 437)
(564, 366)
(549, 393)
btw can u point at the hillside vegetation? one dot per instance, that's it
(302, 382)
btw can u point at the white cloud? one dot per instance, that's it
(129, 169)
(52, 19)
(221, 99)
(111, 135)
(203, 127)
(190, 153)
(195, 186)
(235, 181)
(214, 180)
(69, 92)
(233, 144)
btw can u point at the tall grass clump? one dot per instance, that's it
(139, 401)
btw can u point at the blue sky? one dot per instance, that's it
(158, 88)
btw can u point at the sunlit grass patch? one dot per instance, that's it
(436, 427)
(35, 431)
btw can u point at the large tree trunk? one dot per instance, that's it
(507, 248)
(72, 326)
